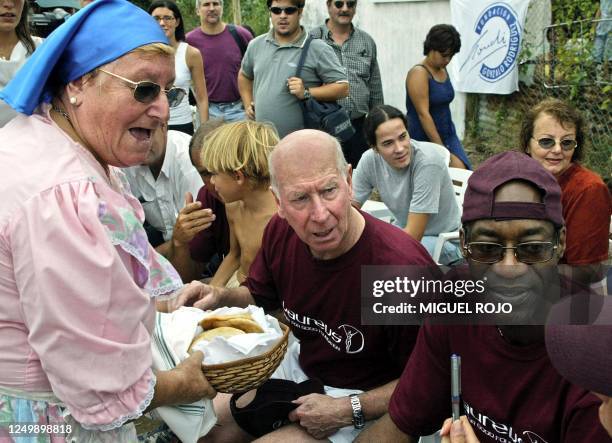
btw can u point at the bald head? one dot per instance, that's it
(307, 150)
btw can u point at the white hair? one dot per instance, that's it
(341, 165)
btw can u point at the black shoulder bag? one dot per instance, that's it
(326, 116)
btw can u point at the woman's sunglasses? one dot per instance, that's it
(548, 143)
(289, 10)
(146, 92)
(349, 4)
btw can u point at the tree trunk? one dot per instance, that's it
(237, 14)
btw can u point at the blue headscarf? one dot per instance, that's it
(101, 32)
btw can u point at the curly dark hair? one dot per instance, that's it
(561, 111)
(376, 117)
(442, 38)
(179, 32)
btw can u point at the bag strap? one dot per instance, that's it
(239, 41)
(305, 47)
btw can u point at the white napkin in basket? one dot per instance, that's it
(171, 339)
(228, 349)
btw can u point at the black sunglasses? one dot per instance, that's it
(529, 252)
(146, 92)
(289, 10)
(349, 4)
(567, 144)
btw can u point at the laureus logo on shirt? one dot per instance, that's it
(345, 338)
(499, 432)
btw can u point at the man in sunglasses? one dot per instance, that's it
(161, 183)
(268, 86)
(357, 52)
(513, 234)
(222, 46)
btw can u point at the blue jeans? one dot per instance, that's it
(230, 111)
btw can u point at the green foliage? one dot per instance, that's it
(571, 44)
(189, 13)
(255, 14)
(572, 10)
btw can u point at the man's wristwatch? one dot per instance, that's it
(358, 418)
(307, 94)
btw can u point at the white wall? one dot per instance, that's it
(399, 30)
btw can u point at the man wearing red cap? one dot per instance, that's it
(512, 237)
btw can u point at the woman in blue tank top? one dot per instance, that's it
(429, 92)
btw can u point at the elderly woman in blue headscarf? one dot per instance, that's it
(78, 280)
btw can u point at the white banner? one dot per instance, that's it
(491, 37)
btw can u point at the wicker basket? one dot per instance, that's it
(249, 373)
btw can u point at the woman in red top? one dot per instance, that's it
(553, 134)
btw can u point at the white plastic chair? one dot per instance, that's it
(459, 178)
(445, 153)
(378, 210)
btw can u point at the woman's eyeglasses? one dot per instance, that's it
(165, 18)
(146, 92)
(529, 252)
(289, 10)
(548, 143)
(349, 4)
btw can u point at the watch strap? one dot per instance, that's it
(358, 418)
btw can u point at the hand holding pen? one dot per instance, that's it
(458, 431)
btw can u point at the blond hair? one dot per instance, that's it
(147, 51)
(241, 146)
(153, 49)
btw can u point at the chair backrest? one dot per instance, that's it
(445, 153)
(378, 210)
(459, 178)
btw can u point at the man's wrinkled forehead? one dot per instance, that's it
(310, 183)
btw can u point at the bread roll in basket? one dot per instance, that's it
(245, 374)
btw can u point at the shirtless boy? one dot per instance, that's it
(237, 156)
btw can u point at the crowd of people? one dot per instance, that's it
(121, 200)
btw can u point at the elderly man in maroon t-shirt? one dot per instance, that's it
(309, 266)
(513, 235)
